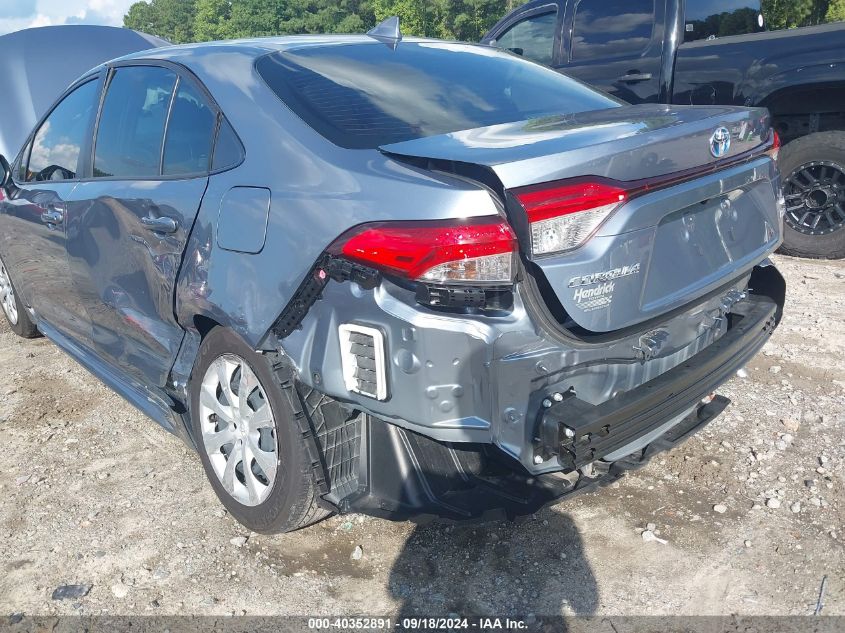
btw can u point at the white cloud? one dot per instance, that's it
(24, 14)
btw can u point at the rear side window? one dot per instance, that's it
(709, 19)
(131, 125)
(190, 132)
(57, 144)
(611, 28)
(365, 95)
(228, 151)
(533, 37)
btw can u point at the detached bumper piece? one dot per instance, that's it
(578, 433)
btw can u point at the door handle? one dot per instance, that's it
(160, 225)
(52, 216)
(632, 77)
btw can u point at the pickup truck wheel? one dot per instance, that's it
(813, 172)
(247, 438)
(15, 312)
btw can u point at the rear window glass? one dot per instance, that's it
(709, 19)
(366, 95)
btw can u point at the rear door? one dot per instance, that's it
(616, 46)
(33, 223)
(130, 220)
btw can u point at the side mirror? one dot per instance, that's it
(5, 173)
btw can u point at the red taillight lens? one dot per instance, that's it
(563, 216)
(774, 150)
(476, 250)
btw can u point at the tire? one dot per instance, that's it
(13, 308)
(262, 500)
(820, 155)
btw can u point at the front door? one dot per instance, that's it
(129, 223)
(33, 221)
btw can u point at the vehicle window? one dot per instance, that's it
(709, 19)
(132, 122)
(611, 28)
(228, 151)
(367, 95)
(533, 37)
(57, 144)
(190, 131)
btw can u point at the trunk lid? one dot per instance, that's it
(657, 251)
(625, 143)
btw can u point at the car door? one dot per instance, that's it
(534, 32)
(33, 221)
(128, 223)
(616, 46)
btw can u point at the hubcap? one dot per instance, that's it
(7, 296)
(238, 430)
(815, 198)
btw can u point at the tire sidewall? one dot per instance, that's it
(274, 514)
(24, 327)
(814, 147)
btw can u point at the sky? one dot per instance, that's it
(22, 14)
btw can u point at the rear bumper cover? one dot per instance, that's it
(396, 473)
(578, 433)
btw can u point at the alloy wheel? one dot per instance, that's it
(7, 296)
(815, 198)
(238, 430)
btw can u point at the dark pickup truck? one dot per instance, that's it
(713, 52)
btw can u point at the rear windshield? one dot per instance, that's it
(366, 95)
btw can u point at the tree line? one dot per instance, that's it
(201, 20)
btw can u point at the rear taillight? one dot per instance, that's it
(479, 250)
(774, 150)
(561, 217)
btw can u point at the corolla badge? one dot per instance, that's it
(720, 142)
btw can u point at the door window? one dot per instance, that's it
(533, 38)
(611, 28)
(190, 131)
(58, 143)
(131, 127)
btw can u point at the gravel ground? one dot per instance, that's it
(748, 515)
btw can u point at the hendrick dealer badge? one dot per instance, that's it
(595, 290)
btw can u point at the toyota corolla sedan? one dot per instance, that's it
(411, 279)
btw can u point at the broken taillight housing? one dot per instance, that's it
(562, 216)
(472, 251)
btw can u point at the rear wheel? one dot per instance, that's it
(14, 311)
(813, 172)
(248, 440)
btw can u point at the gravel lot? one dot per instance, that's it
(751, 510)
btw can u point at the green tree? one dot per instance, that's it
(171, 19)
(211, 20)
(836, 11)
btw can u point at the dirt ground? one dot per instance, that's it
(751, 510)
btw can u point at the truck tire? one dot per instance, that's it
(247, 435)
(813, 173)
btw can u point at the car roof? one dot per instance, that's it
(255, 47)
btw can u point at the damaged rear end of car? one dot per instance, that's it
(609, 274)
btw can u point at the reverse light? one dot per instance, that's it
(562, 217)
(479, 250)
